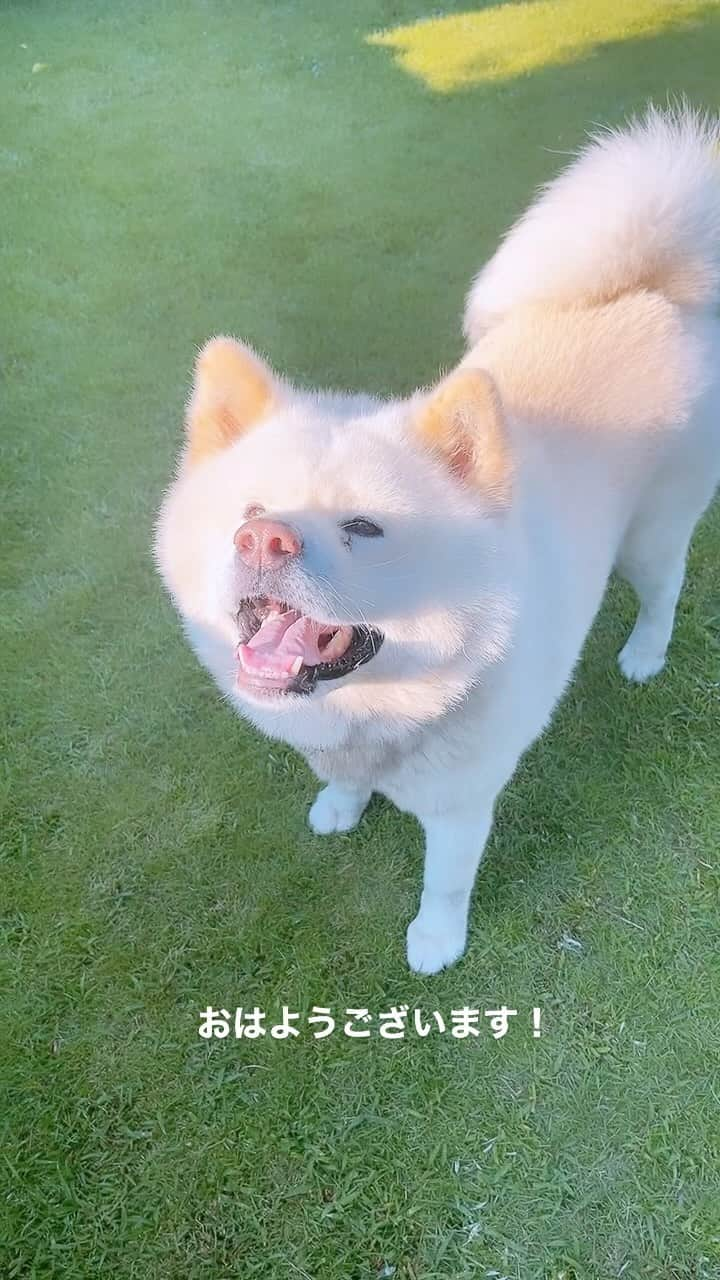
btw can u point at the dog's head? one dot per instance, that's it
(331, 553)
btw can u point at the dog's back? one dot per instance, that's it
(595, 316)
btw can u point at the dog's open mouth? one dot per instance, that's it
(283, 651)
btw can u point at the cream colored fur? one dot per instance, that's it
(580, 434)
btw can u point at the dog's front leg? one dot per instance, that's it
(454, 847)
(338, 807)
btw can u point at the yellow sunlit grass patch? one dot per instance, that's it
(508, 40)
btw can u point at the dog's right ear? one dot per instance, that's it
(232, 391)
(462, 420)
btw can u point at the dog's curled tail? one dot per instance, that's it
(638, 209)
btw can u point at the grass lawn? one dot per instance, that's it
(184, 167)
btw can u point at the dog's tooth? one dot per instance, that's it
(296, 667)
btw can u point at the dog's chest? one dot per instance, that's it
(363, 764)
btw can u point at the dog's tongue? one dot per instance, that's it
(281, 640)
(284, 643)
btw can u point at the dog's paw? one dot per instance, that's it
(336, 809)
(429, 951)
(639, 661)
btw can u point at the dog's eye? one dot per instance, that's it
(360, 527)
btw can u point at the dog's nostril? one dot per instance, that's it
(265, 540)
(245, 540)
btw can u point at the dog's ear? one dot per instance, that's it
(232, 390)
(463, 420)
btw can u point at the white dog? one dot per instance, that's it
(401, 590)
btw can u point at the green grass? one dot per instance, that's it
(192, 166)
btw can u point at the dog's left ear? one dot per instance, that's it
(233, 390)
(463, 420)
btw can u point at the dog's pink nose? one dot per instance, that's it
(262, 542)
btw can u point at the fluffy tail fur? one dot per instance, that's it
(638, 209)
